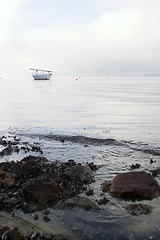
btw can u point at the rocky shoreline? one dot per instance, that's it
(35, 184)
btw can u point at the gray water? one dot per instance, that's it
(84, 113)
(125, 108)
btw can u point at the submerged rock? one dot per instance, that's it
(138, 208)
(134, 185)
(77, 202)
(6, 151)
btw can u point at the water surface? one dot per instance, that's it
(73, 119)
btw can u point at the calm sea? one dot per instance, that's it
(126, 109)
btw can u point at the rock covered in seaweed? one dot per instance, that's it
(16, 234)
(34, 183)
(43, 191)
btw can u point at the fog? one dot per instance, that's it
(98, 37)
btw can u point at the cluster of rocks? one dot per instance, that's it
(15, 234)
(34, 183)
(14, 144)
(138, 208)
(135, 166)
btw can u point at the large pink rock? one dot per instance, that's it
(135, 185)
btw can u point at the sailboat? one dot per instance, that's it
(39, 74)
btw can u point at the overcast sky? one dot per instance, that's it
(84, 37)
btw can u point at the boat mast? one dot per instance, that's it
(35, 69)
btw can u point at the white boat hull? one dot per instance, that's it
(42, 76)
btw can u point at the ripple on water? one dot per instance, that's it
(112, 157)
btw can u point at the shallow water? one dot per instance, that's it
(72, 119)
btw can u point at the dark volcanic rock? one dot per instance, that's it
(34, 183)
(83, 173)
(134, 166)
(43, 192)
(135, 185)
